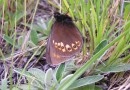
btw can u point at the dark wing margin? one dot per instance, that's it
(48, 58)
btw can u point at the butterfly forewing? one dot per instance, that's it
(64, 42)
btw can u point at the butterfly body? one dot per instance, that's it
(64, 41)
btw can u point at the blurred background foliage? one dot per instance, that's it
(104, 61)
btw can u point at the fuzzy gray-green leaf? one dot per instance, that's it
(86, 81)
(60, 71)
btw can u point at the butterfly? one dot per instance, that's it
(64, 41)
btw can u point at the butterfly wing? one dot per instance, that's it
(64, 42)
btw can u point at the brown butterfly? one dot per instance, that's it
(64, 41)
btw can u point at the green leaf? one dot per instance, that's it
(49, 24)
(25, 73)
(100, 46)
(88, 87)
(15, 88)
(20, 40)
(49, 79)
(34, 37)
(126, 12)
(42, 24)
(60, 70)
(31, 44)
(127, 15)
(69, 67)
(4, 84)
(66, 78)
(27, 87)
(116, 68)
(18, 15)
(86, 81)
(39, 74)
(8, 39)
(32, 78)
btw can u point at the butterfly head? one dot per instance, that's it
(62, 17)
